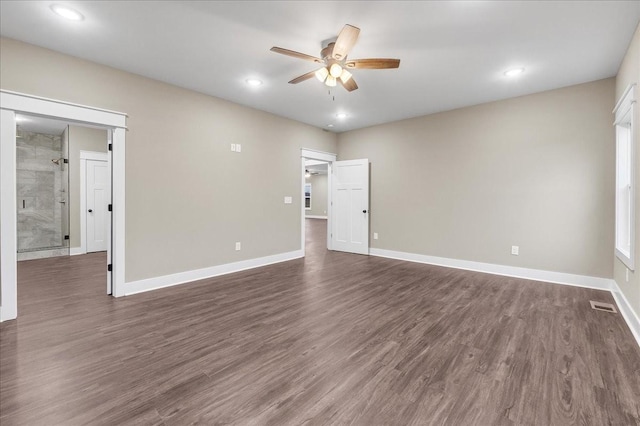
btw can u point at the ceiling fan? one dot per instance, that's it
(335, 63)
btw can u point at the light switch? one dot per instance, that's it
(233, 147)
(238, 147)
(288, 200)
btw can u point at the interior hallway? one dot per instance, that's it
(333, 338)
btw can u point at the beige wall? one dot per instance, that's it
(318, 195)
(535, 171)
(630, 73)
(188, 197)
(80, 139)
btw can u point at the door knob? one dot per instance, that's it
(364, 211)
(90, 211)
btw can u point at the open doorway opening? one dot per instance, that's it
(316, 200)
(63, 188)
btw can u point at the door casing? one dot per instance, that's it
(115, 122)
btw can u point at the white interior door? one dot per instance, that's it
(350, 210)
(97, 204)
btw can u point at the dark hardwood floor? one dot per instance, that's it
(333, 338)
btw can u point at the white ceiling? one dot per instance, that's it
(453, 54)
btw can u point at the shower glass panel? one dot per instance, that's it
(42, 174)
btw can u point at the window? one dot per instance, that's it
(307, 196)
(625, 179)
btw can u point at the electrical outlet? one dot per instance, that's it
(233, 147)
(238, 246)
(375, 235)
(238, 147)
(515, 250)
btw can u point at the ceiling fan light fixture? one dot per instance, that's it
(345, 76)
(335, 70)
(322, 74)
(331, 81)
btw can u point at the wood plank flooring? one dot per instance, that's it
(330, 339)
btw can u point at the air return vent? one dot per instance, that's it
(600, 306)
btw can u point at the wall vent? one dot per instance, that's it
(600, 306)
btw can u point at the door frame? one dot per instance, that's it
(115, 122)
(84, 156)
(310, 154)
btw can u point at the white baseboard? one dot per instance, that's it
(155, 283)
(314, 217)
(597, 283)
(509, 271)
(74, 251)
(627, 312)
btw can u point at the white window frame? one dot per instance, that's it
(625, 178)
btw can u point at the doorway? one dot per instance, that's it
(313, 206)
(13, 104)
(316, 200)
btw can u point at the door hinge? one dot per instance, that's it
(110, 207)
(110, 146)
(66, 237)
(109, 268)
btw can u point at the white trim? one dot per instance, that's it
(155, 283)
(312, 154)
(624, 100)
(309, 216)
(74, 251)
(116, 245)
(12, 102)
(624, 107)
(23, 102)
(509, 271)
(627, 311)
(8, 216)
(84, 156)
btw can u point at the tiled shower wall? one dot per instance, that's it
(41, 191)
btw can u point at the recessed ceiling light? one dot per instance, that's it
(67, 12)
(254, 82)
(20, 119)
(513, 72)
(341, 115)
(329, 125)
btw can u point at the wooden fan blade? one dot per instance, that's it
(345, 42)
(303, 77)
(350, 85)
(373, 63)
(295, 54)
